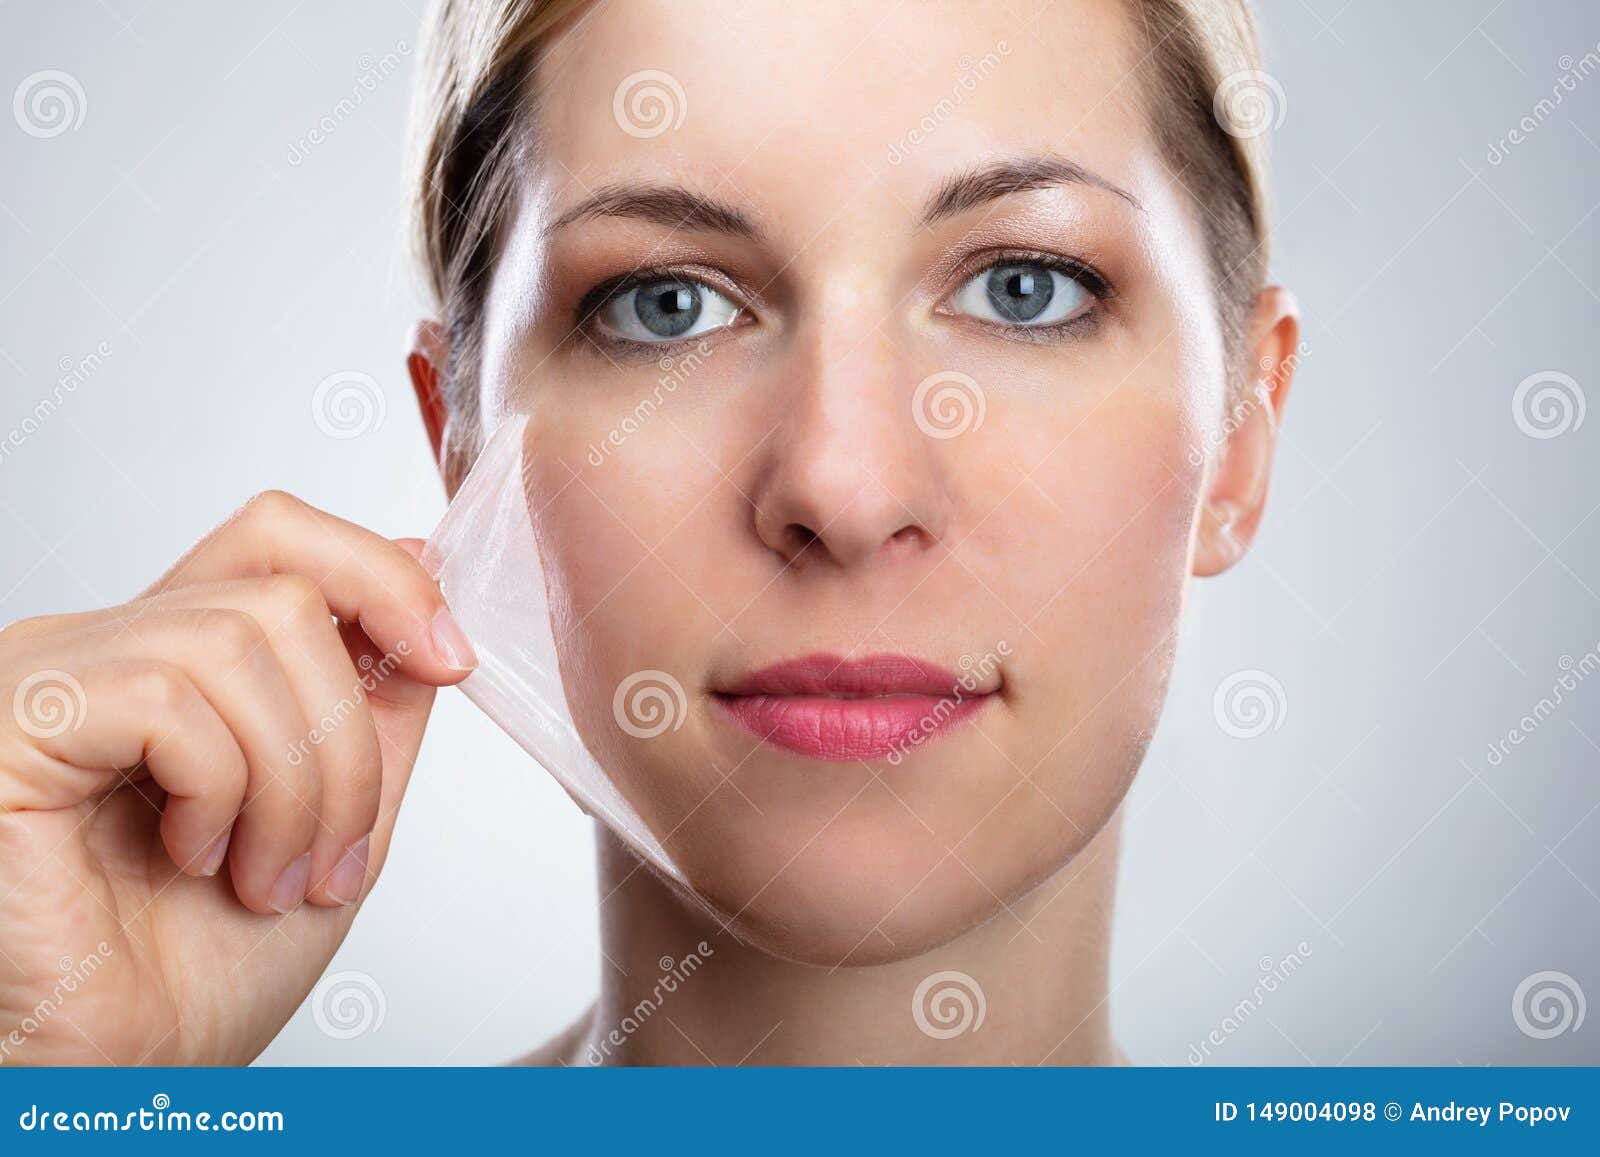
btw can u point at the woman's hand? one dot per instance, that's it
(198, 788)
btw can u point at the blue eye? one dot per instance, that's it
(666, 309)
(1022, 293)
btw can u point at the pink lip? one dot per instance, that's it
(828, 707)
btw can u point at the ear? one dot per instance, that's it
(1236, 489)
(427, 356)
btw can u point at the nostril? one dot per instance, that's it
(797, 540)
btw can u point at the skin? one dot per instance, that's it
(782, 500)
(199, 690)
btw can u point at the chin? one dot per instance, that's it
(869, 886)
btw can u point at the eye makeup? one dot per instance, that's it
(654, 311)
(1030, 295)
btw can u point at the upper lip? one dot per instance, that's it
(863, 678)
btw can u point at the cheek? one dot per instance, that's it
(617, 488)
(1092, 555)
(1086, 532)
(623, 512)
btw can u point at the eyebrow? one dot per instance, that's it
(979, 186)
(680, 208)
(663, 205)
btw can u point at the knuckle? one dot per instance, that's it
(157, 687)
(368, 775)
(271, 505)
(295, 600)
(234, 634)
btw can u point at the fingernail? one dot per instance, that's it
(218, 851)
(290, 889)
(350, 873)
(450, 641)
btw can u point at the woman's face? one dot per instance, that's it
(878, 348)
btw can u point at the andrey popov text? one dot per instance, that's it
(1449, 1113)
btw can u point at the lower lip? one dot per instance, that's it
(849, 729)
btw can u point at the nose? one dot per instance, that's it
(848, 478)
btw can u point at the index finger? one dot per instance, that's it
(363, 577)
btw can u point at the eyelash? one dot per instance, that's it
(602, 295)
(1090, 279)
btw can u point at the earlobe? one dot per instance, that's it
(427, 356)
(1236, 487)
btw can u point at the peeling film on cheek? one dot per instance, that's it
(485, 555)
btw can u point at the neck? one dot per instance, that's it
(676, 990)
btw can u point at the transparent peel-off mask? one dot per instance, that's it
(485, 555)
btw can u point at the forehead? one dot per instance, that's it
(818, 105)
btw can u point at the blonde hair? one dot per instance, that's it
(470, 144)
(1197, 54)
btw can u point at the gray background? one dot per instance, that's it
(1426, 569)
